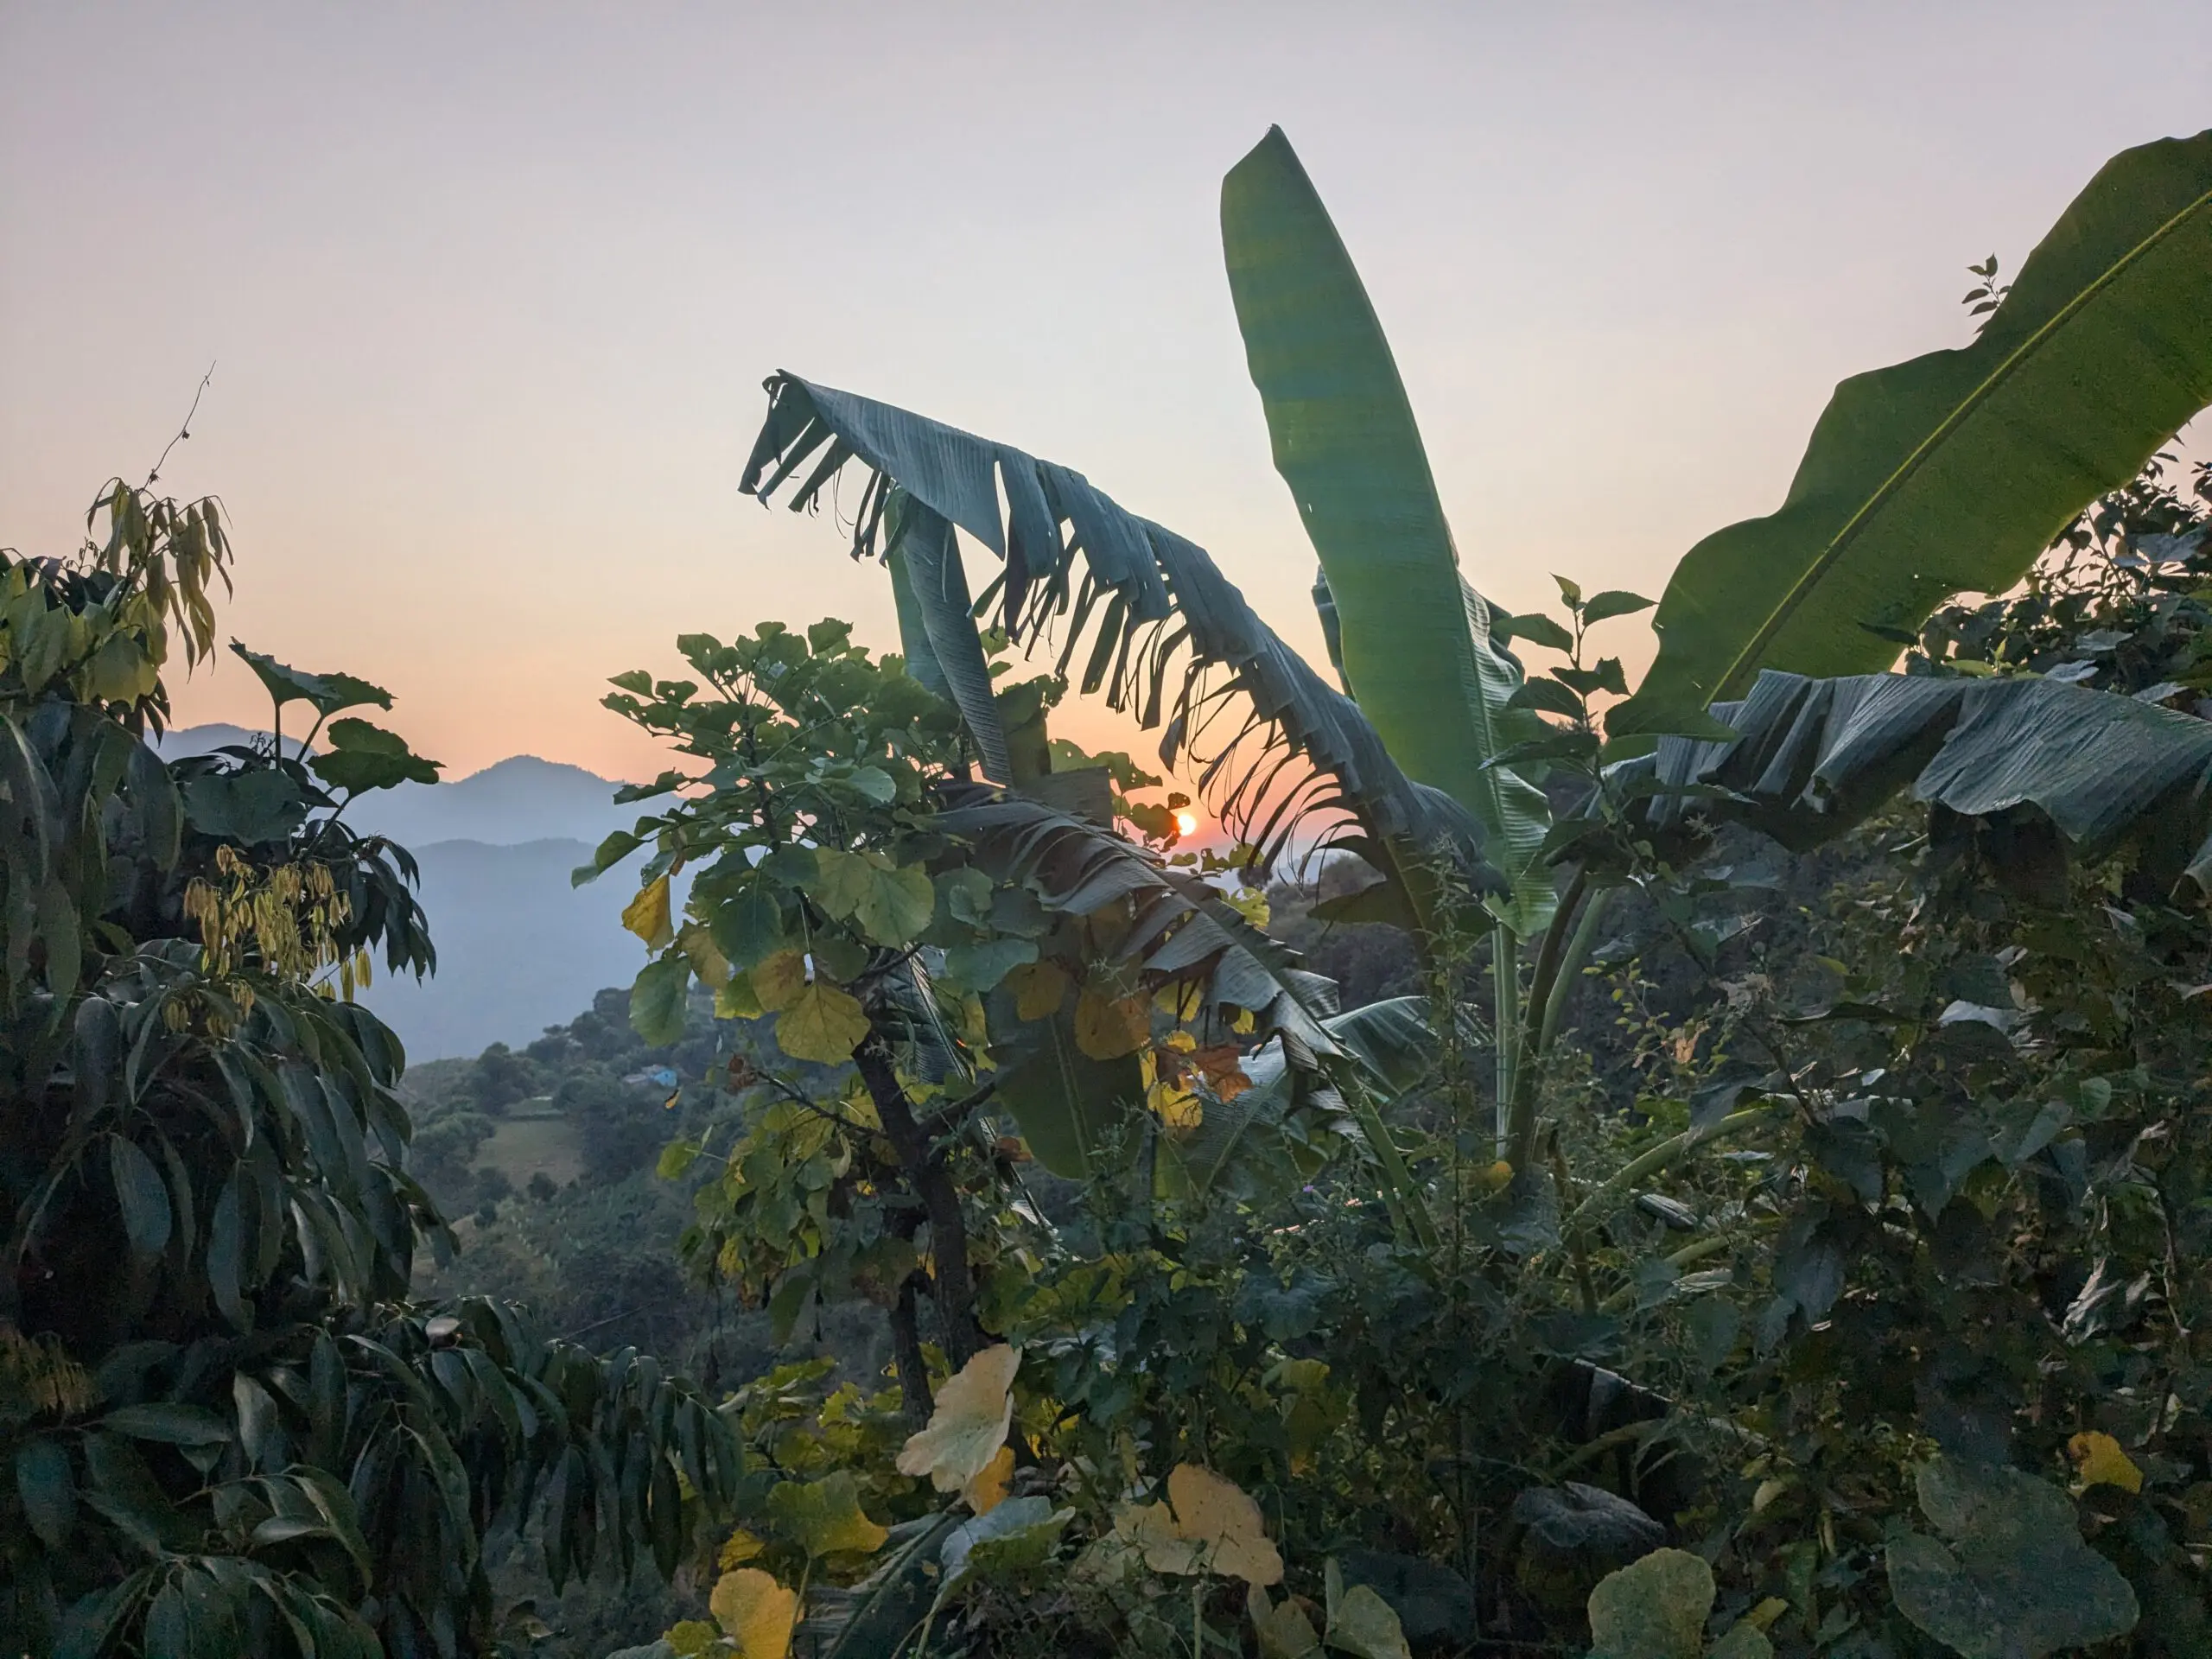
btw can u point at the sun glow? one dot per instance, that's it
(1187, 822)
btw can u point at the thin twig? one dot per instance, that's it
(184, 431)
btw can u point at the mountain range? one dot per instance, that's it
(519, 948)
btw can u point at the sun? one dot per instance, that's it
(1187, 822)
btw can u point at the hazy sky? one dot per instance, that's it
(491, 289)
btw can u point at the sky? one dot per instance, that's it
(490, 290)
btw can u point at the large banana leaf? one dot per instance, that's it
(1952, 472)
(1815, 757)
(1295, 747)
(1415, 653)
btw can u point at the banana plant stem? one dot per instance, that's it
(1505, 980)
(1671, 1151)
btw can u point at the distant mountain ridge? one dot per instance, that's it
(519, 799)
(519, 948)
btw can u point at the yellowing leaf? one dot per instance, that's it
(706, 959)
(988, 1490)
(1284, 1631)
(824, 1518)
(1038, 989)
(647, 916)
(1207, 1525)
(740, 1547)
(974, 1411)
(1178, 1109)
(777, 979)
(2100, 1462)
(755, 1612)
(1108, 1028)
(737, 1000)
(822, 1023)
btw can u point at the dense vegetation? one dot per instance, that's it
(1754, 1197)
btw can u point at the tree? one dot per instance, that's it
(227, 1429)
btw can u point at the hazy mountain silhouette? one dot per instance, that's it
(519, 948)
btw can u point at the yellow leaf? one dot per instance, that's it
(1177, 1109)
(824, 1516)
(755, 1612)
(1108, 1028)
(737, 1000)
(647, 916)
(706, 959)
(1038, 989)
(1243, 1024)
(2100, 1462)
(740, 1547)
(974, 1411)
(1285, 1632)
(822, 1023)
(988, 1490)
(778, 979)
(1207, 1525)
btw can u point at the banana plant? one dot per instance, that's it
(1945, 473)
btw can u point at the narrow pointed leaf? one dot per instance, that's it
(1416, 654)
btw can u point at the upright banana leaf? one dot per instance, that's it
(1298, 750)
(1411, 638)
(1951, 471)
(1815, 757)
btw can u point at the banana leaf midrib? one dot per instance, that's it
(1734, 682)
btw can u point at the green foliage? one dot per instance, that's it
(1953, 471)
(235, 1434)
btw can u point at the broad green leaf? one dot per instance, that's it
(969, 1424)
(1360, 1621)
(2015, 1580)
(325, 693)
(364, 757)
(980, 966)
(656, 1001)
(1068, 1107)
(824, 1518)
(255, 804)
(890, 904)
(1415, 638)
(822, 1023)
(1654, 1608)
(1951, 471)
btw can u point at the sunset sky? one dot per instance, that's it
(490, 290)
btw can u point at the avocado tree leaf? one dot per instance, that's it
(143, 1195)
(1414, 639)
(1951, 471)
